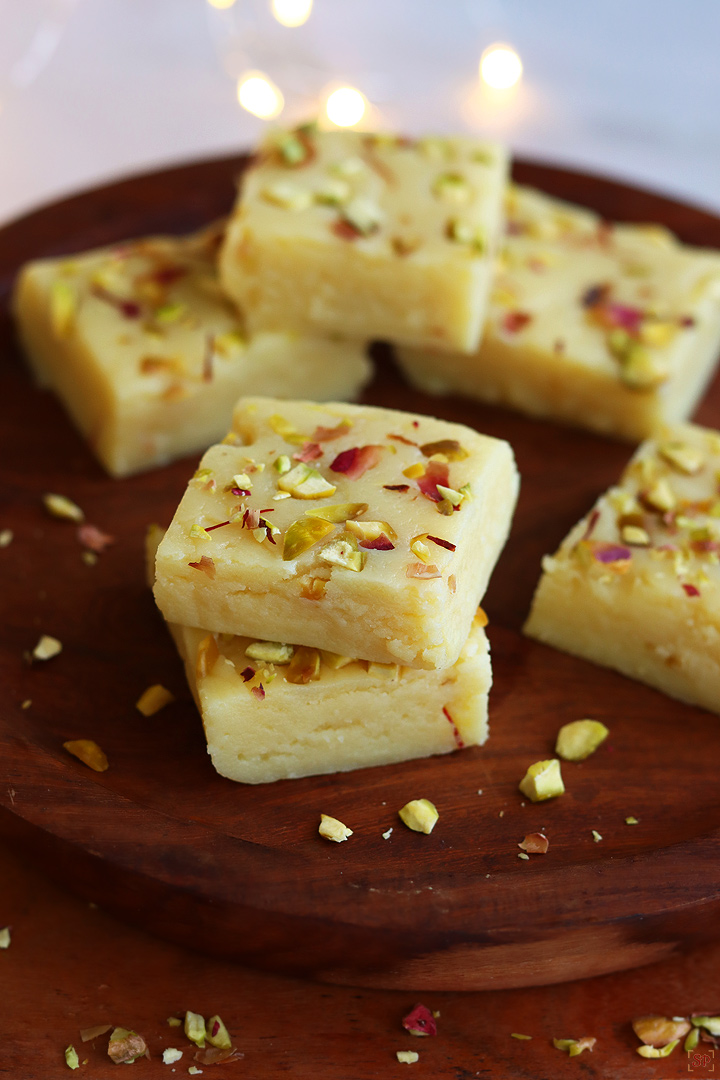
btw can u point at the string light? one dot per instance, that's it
(345, 107)
(291, 12)
(500, 67)
(259, 96)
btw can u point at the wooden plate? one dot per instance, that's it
(164, 842)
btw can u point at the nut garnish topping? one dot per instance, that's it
(46, 648)
(332, 829)
(683, 457)
(579, 739)
(420, 815)
(60, 506)
(543, 780)
(87, 751)
(272, 652)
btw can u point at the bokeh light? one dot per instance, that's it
(345, 107)
(259, 95)
(292, 12)
(500, 67)
(221, 5)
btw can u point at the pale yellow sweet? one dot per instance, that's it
(612, 328)
(148, 356)
(368, 236)
(635, 586)
(410, 599)
(261, 726)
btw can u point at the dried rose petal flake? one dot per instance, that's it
(535, 843)
(420, 1021)
(92, 538)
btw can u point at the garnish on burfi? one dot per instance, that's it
(370, 236)
(357, 530)
(148, 356)
(610, 327)
(635, 585)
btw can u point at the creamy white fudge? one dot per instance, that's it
(368, 236)
(635, 586)
(149, 357)
(615, 328)
(358, 530)
(307, 712)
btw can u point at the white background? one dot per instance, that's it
(627, 88)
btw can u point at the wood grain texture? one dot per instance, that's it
(164, 842)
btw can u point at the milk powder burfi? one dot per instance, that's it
(613, 328)
(635, 586)
(369, 236)
(273, 711)
(359, 530)
(149, 357)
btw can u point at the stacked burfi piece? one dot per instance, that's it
(334, 557)
(612, 328)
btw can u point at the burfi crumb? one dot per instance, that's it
(6, 538)
(46, 648)
(26, 703)
(171, 1055)
(60, 506)
(573, 1047)
(87, 751)
(420, 815)
(387, 835)
(5, 937)
(332, 829)
(174, 1021)
(153, 699)
(407, 1057)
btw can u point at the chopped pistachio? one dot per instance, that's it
(46, 648)
(333, 192)
(169, 313)
(420, 549)
(660, 1030)
(198, 533)
(217, 1033)
(543, 780)
(338, 512)
(282, 495)
(332, 829)
(272, 652)
(194, 1071)
(174, 1021)
(635, 536)
(631, 821)
(288, 196)
(450, 495)
(452, 187)
(579, 739)
(304, 666)
(449, 448)
(153, 699)
(5, 937)
(6, 538)
(125, 1046)
(683, 457)
(387, 834)
(171, 1055)
(522, 855)
(660, 496)
(71, 1058)
(343, 552)
(463, 232)
(407, 1057)
(60, 506)
(302, 534)
(242, 480)
(371, 530)
(573, 1047)
(304, 482)
(692, 1040)
(335, 661)
(517, 1035)
(640, 371)
(420, 815)
(363, 214)
(291, 148)
(658, 334)
(655, 1052)
(194, 1027)
(596, 836)
(350, 166)
(63, 306)
(282, 464)
(710, 1023)
(87, 751)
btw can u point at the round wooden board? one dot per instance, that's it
(240, 872)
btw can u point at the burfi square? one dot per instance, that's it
(149, 357)
(307, 712)
(635, 586)
(612, 328)
(358, 530)
(368, 236)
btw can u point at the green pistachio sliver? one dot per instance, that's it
(304, 482)
(452, 187)
(63, 305)
(271, 652)
(693, 1038)
(420, 815)
(450, 448)
(363, 214)
(579, 739)
(710, 1023)
(333, 192)
(194, 1027)
(71, 1058)
(217, 1034)
(640, 371)
(303, 534)
(657, 1052)
(463, 232)
(338, 512)
(282, 464)
(344, 552)
(449, 494)
(169, 313)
